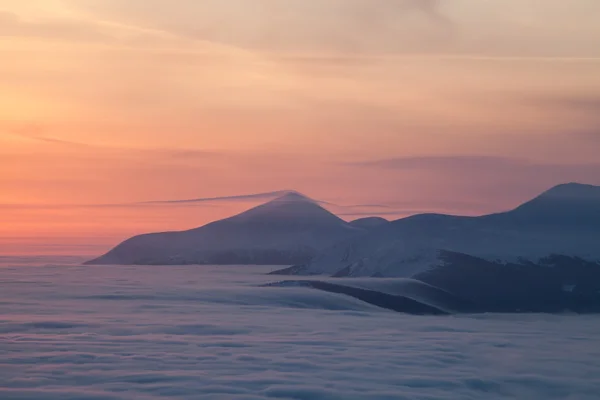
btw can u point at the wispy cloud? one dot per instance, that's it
(359, 214)
(466, 161)
(66, 207)
(383, 206)
(37, 134)
(205, 201)
(356, 26)
(12, 25)
(586, 103)
(471, 162)
(246, 197)
(486, 178)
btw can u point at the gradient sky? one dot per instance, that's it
(387, 107)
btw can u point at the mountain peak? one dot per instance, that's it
(573, 190)
(287, 230)
(294, 196)
(570, 204)
(293, 208)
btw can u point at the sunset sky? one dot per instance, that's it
(385, 107)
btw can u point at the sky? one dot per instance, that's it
(380, 107)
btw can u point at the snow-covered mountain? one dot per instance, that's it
(288, 230)
(465, 284)
(563, 221)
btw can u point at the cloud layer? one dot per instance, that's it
(183, 332)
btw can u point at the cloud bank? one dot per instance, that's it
(179, 332)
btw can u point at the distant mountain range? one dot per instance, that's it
(543, 256)
(296, 230)
(565, 220)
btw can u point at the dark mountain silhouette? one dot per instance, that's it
(465, 284)
(369, 223)
(565, 221)
(543, 256)
(287, 230)
(555, 283)
(573, 206)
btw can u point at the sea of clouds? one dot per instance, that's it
(108, 333)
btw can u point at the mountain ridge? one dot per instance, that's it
(286, 230)
(294, 229)
(564, 220)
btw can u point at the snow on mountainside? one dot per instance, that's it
(562, 221)
(288, 230)
(460, 283)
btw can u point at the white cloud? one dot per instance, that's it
(208, 333)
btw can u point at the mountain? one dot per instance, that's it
(461, 283)
(555, 283)
(543, 256)
(563, 221)
(573, 206)
(369, 223)
(288, 230)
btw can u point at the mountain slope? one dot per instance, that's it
(573, 206)
(551, 284)
(287, 230)
(460, 283)
(564, 220)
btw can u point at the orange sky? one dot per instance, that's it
(462, 106)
